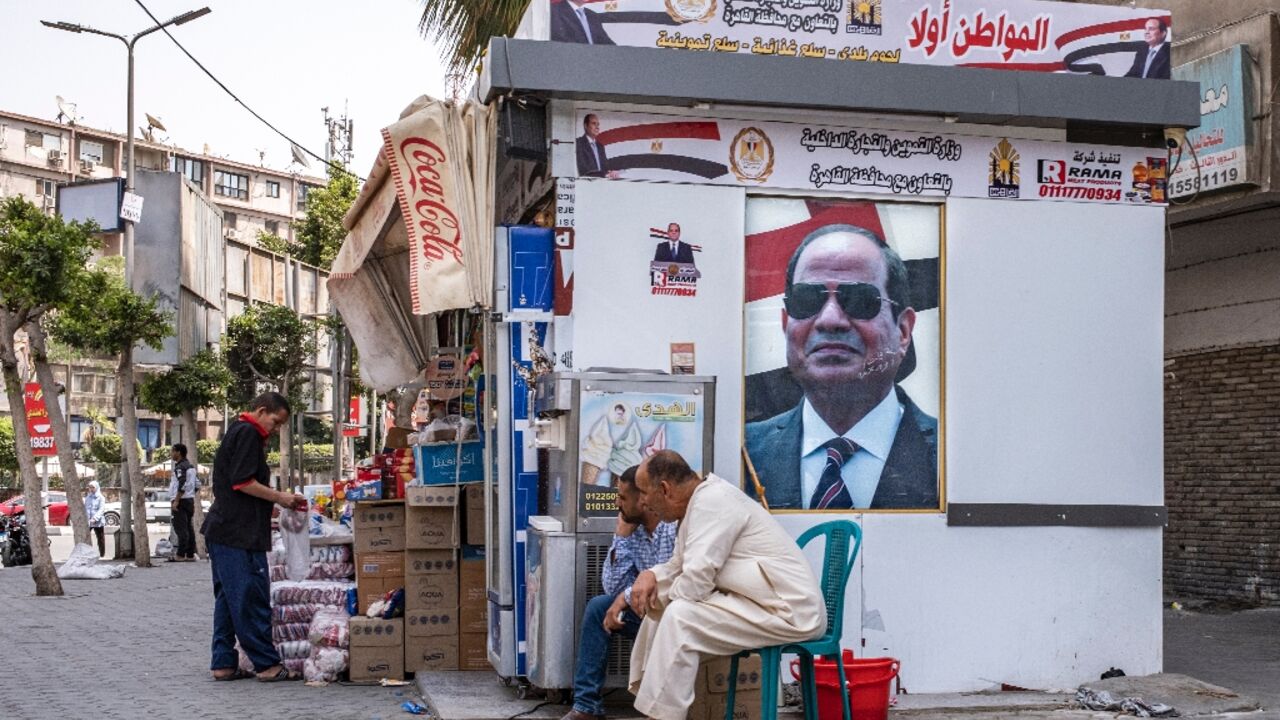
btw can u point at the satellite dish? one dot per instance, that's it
(299, 156)
(155, 123)
(146, 133)
(66, 110)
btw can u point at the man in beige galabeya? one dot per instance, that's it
(735, 581)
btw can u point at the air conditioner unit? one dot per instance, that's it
(55, 157)
(87, 166)
(50, 203)
(232, 234)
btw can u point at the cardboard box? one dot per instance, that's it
(378, 527)
(473, 596)
(447, 464)
(380, 564)
(378, 514)
(376, 632)
(379, 539)
(473, 511)
(431, 652)
(417, 562)
(431, 591)
(372, 589)
(431, 522)
(473, 651)
(711, 706)
(716, 674)
(375, 663)
(424, 623)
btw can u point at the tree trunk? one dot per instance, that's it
(190, 437)
(62, 438)
(132, 464)
(42, 570)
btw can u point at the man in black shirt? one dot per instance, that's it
(237, 531)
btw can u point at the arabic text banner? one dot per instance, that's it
(1013, 34)
(810, 156)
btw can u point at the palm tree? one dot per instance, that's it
(463, 28)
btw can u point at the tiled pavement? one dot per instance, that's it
(138, 647)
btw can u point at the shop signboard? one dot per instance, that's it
(1009, 34)
(38, 425)
(619, 429)
(818, 156)
(1221, 144)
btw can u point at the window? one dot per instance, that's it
(44, 188)
(232, 185)
(91, 151)
(82, 383)
(303, 191)
(149, 434)
(77, 428)
(229, 220)
(192, 169)
(273, 227)
(273, 189)
(37, 139)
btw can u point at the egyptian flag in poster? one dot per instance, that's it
(679, 150)
(775, 227)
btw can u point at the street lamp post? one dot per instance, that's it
(124, 538)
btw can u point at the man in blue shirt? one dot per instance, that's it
(640, 541)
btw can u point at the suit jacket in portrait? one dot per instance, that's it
(909, 479)
(684, 253)
(587, 165)
(566, 27)
(1160, 68)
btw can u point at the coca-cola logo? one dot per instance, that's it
(437, 224)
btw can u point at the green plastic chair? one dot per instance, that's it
(843, 539)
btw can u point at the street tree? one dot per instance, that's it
(270, 347)
(462, 28)
(108, 318)
(201, 381)
(41, 259)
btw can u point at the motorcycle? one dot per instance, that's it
(15, 545)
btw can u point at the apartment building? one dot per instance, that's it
(36, 156)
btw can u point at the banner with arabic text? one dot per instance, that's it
(815, 156)
(1006, 34)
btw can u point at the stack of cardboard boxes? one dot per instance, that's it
(416, 544)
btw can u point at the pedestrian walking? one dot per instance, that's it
(237, 532)
(183, 487)
(93, 508)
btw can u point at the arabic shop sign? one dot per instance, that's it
(1222, 141)
(1009, 34)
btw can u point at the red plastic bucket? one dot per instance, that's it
(869, 681)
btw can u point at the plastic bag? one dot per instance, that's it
(322, 526)
(329, 627)
(325, 664)
(83, 565)
(297, 544)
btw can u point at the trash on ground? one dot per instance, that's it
(83, 565)
(1103, 700)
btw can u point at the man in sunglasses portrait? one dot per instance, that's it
(856, 440)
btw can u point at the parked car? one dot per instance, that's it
(159, 508)
(57, 502)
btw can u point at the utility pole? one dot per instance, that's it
(124, 538)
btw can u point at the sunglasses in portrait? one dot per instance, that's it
(860, 301)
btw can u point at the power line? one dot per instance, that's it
(242, 103)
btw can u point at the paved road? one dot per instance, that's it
(137, 647)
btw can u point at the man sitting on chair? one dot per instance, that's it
(640, 541)
(735, 581)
